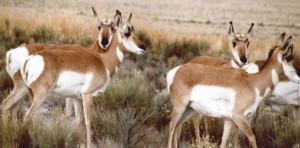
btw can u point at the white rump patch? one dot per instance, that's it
(72, 84)
(34, 68)
(120, 55)
(213, 101)
(14, 59)
(171, 75)
(275, 77)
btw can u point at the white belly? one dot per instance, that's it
(213, 100)
(72, 84)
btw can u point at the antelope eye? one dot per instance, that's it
(99, 28)
(127, 32)
(234, 43)
(289, 58)
(112, 28)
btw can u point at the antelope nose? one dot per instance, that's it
(243, 59)
(104, 41)
(142, 47)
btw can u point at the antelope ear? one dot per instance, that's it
(286, 45)
(96, 14)
(280, 39)
(118, 18)
(249, 33)
(128, 21)
(230, 32)
(291, 49)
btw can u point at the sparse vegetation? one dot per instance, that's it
(135, 109)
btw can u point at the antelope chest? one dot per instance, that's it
(213, 100)
(72, 84)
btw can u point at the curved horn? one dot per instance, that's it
(230, 33)
(249, 33)
(118, 18)
(96, 14)
(280, 39)
(129, 18)
(286, 44)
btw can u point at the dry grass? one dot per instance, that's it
(167, 22)
(190, 19)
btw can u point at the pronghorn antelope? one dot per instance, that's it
(286, 92)
(239, 60)
(14, 58)
(77, 73)
(225, 93)
(239, 50)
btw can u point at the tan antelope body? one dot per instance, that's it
(224, 93)
(239, 53)
(286, 92)
(15, 57)
(76, 73)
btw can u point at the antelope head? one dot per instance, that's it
(287, 59)
(127, 36)
(106, 30)
(240, 43)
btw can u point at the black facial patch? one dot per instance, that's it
(289, 58)
(99, 27)
(128, 32)
(234, 43)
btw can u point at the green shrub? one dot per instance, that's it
(123, 111)
(86, 42)
(174, 61)
(20, 36)
(17, 37)
(273, 130)
(42, 34)
(183, 49)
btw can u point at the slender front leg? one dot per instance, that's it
(243, 125)
(226, 132)
(196, 121)
(78, 111)
(234, 135)
(69, 107)
(296, 114)
(87, 109)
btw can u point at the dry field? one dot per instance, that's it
(162, 21)
(197, 19)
